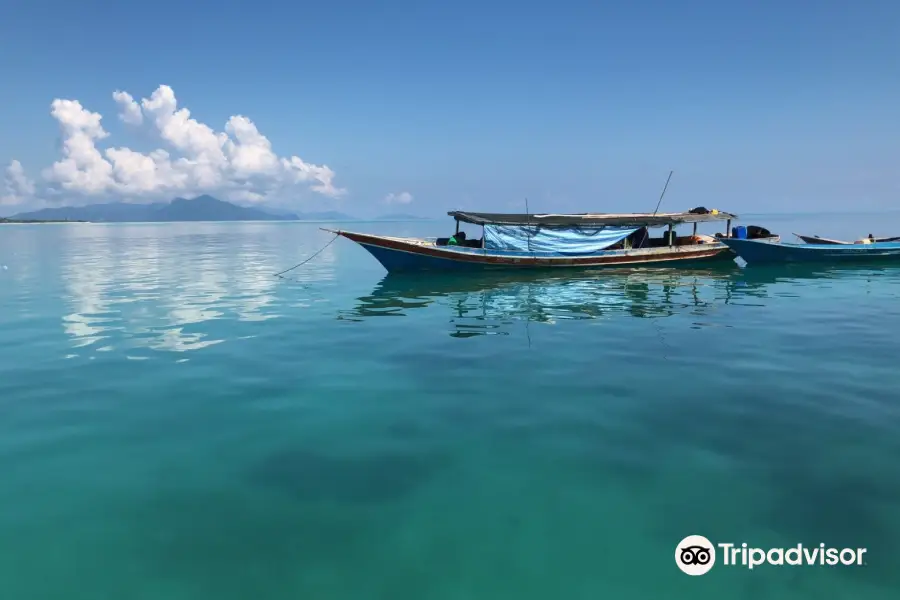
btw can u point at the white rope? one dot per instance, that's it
(300, 264)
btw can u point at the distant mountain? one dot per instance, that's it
(113, 212)
(400, 217)
(281, 212)
(310, 216)
(325, 216)
(202, 208)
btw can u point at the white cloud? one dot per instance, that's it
(17, 187)
(401, 198)
(82, 168)
(237, 163)
(129, 110)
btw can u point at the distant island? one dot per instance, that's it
(12, 220)
(400, 217)
(202, 208)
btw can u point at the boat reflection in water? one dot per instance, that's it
(484, 304)
(792, 279)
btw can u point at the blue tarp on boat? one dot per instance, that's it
(567, 240)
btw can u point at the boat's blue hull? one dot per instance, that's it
(761, 252)
(396, 261)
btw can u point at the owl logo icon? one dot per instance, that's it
(695, 555)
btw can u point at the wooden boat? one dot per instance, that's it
(761, 251)
(814, 239)
(536, 241)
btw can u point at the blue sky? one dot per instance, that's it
(757, 106)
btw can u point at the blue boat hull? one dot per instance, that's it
(396, 261)
(761, 252)
(401, 255)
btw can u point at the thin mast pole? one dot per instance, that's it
(663, 193)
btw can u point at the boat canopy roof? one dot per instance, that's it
(591, 219)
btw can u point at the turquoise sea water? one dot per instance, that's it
(176, 423)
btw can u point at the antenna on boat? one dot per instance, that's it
(663, 192)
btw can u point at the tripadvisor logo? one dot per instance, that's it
(696, 555)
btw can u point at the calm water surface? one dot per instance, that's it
(176, 423)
